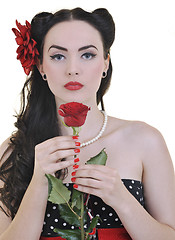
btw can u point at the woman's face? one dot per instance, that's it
(73, 61)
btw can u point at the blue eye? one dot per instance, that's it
(88, 56)
(57, 57)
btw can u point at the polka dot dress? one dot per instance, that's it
(109, 218)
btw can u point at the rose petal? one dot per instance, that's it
(61, 113)
(74, 113)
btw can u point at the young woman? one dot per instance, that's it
(74, 64)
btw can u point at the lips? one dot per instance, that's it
(73, 86)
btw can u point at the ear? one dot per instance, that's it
(106, 63)
(40, 69)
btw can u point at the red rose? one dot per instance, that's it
(74, 113)
(27, 51)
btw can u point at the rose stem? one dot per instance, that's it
(82, 215)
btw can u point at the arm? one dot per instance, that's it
(158, 222)
(28, 222)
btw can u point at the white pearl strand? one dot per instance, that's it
(100, 133)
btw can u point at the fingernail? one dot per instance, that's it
(73, 179)
(77, 150)
(75, 137)
(77, 144)
(75, 186)
(73, 174)
(76, 160)
(75, 166)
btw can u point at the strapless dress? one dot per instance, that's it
(108, 228)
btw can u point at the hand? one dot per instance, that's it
(48, 155)
(98, 180)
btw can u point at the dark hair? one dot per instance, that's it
(37, 120)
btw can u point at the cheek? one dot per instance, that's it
(53, 72)
(50, 69)
(96, 73)
(52, 76)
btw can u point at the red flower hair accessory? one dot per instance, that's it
(27, 51)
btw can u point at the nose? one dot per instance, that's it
(73, 67)
(73, 73)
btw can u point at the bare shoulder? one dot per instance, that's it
(158, 176)
(137, 131)
(144, 140)
(5, 151)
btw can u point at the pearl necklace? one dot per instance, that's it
(100, 133)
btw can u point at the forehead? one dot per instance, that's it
(73, 33)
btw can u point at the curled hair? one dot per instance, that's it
(37, 120)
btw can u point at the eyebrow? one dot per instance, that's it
(66, 50)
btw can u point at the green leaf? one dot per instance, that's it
(69, 234)
(93, 224)
(49, 185)
(99, 159)
(58, 193)
(68, 215)
(76, 198)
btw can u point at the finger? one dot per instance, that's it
(88, 182)
(89, 173)
(64, 164)
(60, 142)
(54, 167)
(91, 167)
(60, 154)
(88, 190)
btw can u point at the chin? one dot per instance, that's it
(69, 99)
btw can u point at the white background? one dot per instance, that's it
(143, 57)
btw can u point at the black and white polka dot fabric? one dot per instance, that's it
(109, 218)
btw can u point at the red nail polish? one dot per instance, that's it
(75, 137)
(73, 179)
(75, 186)
(76, 160)
(77, 144)
(77, 150)
(75, 166)
(73, 174)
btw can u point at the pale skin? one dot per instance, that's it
(135, 150)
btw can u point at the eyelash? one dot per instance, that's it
(92, 55)
(58, 56)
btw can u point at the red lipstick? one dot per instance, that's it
(73, 86)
